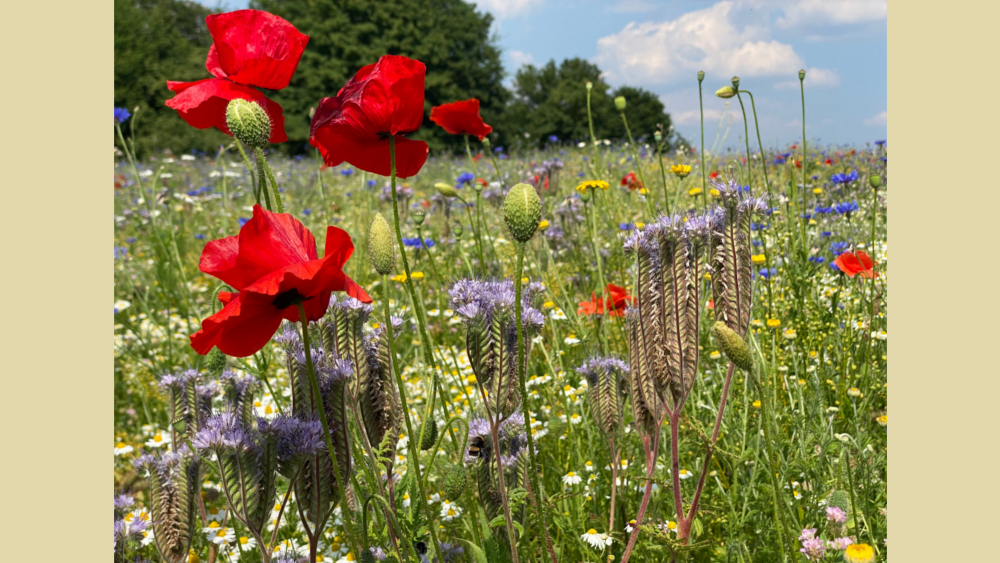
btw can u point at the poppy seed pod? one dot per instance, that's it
(486, 143)
(658, 136)
(701, 75)
(725, 92)
(418, 215)
(590, 85)
(457, 229)
(733, 346)
(248, 122)
(736, 83)
(446, 190)
(454, 483)
(875, 181)
(620, 103)
(380, 245)
(522, 211)
(802, 75)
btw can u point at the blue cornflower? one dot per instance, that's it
(767, 273)
(817, 259)
(121, 114)
(415, 242)
(371, 183)
(820, 210)
(880, 143)
(756, 242)
(581, 174)
(347, 172)
(464, 178)
(429, 243)
(130, 240)
(758, 227)
(814, 177)
(200, 236)
(553, 139)
(839, 247)
(120, 252)
(307, 212)
(807, 216)
(243, 221)
(826, 234)
(193, 193)
(845, 178)
(206, 189)
(779, 160)
(846, 208)
(498, 149)
(626, 226)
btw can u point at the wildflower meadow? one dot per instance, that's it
(580, 350)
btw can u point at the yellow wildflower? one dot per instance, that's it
(694, 191)
(543, 224)
(859, 553)
(818, 191)
(757, 258)
(418, 276)
(773, 323)
(680, 170)
(756, 404)
(714, 192)
(592, 185)
(400, 278)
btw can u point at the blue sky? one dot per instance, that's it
(660, 46)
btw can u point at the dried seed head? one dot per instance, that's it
(733, 346)
(248, 122)
(380, 245)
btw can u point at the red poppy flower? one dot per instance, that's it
(631, 181)
(461, 118)
(618, 298)
(252, 49)
(853, 265)
(828, 162)
(382, 100)
(273, 265)
(714, 175)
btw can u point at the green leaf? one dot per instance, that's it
(477, 552)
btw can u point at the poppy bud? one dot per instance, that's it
(446, 190)
(367, 556)
(839, 499)
(430, 434)
(457, 229)
(454, 483)
(658, 136)
(380, 245)
(522, 211)
(418, 214)
(216, 362)
(802, 75)
(620, 103)
(248, 122)
(590, 85)
(486, 143)
(701, 75)
(736, 83)
(733, 346)
(875, 181)
(725, 92)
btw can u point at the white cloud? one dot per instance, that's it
(521, 58)
(881, 118)
(632, 7)
(832, 12)
(815, 78)
(503, 9)
(665, 52)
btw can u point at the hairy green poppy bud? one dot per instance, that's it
(522, 211)
(446, 190)
(701, 75)
(430, 432)
(454, 483)
(380, 245)
(839, 499)
(802, 75)
(725, 92)
(216, 362)
(875, 181)
(418, 215)
(590, 85)
(248, 122)
(457, 229)
(736, 83)
(367, 556)
(733, 346)
(620, 103)
(486, 143)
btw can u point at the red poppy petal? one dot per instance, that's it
(226, 297)
(356, 291)
(256, 48)
(339, 245)
(461, 117)
(212, 63)
(218, 259)
(369, 153)
(240, 329)
(272, 241)
(203, 104)
(315, 308)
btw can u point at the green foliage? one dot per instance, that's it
(448, 36)
(552, 100)
(156, 41)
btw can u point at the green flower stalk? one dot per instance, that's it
(620, 105)
(701, 114)
(599, 167)
(251, 126)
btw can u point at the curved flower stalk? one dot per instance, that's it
(190, 403)
(174, 485)
(663, 327)
(606, 386)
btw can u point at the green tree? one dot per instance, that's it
(156, 41)
(552, 100)
(448, 36)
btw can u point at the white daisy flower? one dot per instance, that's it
(557, 314)
(571, 478)
(215, 514)
(247, 544)
(147, 537)
(158, 440)
(596, 541)
(433, 312)
(121, 448)
(219, 535)
(121, 305)
(630, 526)
(406, 500)
(571, 340)
(685, 474)
(575, 419)
(349, 558)
(669, 526)
(450, 511)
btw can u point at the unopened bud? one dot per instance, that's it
(620, 103)
(590, 85)
(734, 347)
(454, 483)
(430, 434)
(701, 75)
(248, 122)
(839, 499)
(802, 75)
(522, 211)
(380, 245)
(447, 190)
(725, 92)
(736, 83)
(486, 143)
(216, 362)
(875, 181)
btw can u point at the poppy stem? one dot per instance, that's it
(345, 509)
(635, 158)
(701, 113)
(598, 166)
(767, 185)
(663, 176)
(262, 161)
(802, 92)
(262, 179)
(600, 269)
(254, 181)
